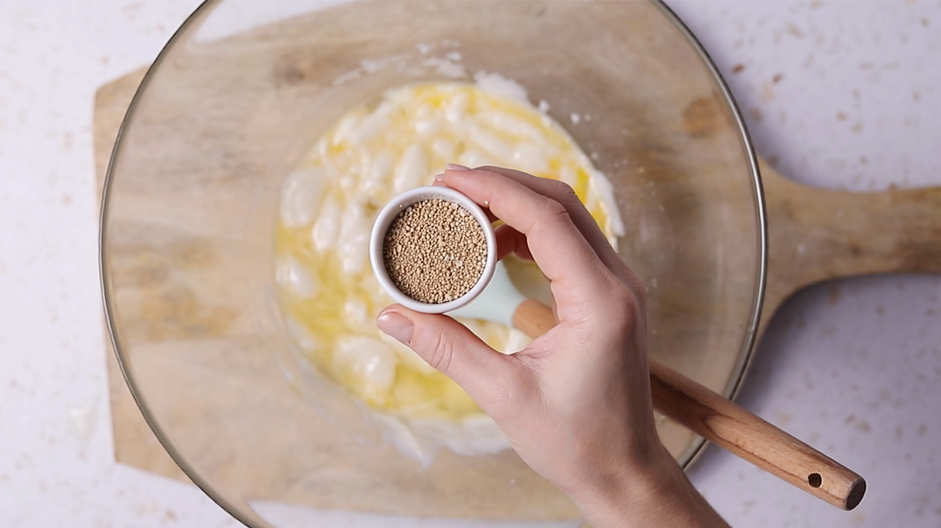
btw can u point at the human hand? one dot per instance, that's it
(575, 404)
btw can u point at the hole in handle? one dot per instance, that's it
(814, 479)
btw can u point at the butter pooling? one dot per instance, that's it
(327, 292)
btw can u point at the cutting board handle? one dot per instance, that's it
(819, 234)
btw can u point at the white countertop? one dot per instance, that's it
(853, 366)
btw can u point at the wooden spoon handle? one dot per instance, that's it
(721, 421)
(746, 435)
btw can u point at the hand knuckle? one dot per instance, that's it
(622, 299)
(626, 303)
(554, 208)
(564, 192)
(442, 352)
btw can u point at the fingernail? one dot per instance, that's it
(456, 167)
(396, 326)
(439, 176)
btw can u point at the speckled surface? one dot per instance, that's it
(837, 94)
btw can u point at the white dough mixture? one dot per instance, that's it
(326, 290)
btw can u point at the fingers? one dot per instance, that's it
(555, 243)
(447, 345)
(560, 192)
(565, 195)
(490, 216)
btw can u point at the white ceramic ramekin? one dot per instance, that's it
(389, 213)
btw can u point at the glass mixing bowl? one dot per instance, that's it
(236, 98)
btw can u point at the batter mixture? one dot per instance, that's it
(327, 292)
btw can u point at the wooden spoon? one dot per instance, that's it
(728, 425)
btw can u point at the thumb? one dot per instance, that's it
(450, 347)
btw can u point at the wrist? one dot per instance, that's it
(623, 482)
(649, 492)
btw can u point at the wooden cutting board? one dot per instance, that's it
(815, 235)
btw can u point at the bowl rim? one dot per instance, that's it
(686, 459)
(391, 211)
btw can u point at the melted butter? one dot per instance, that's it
(327, 292)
